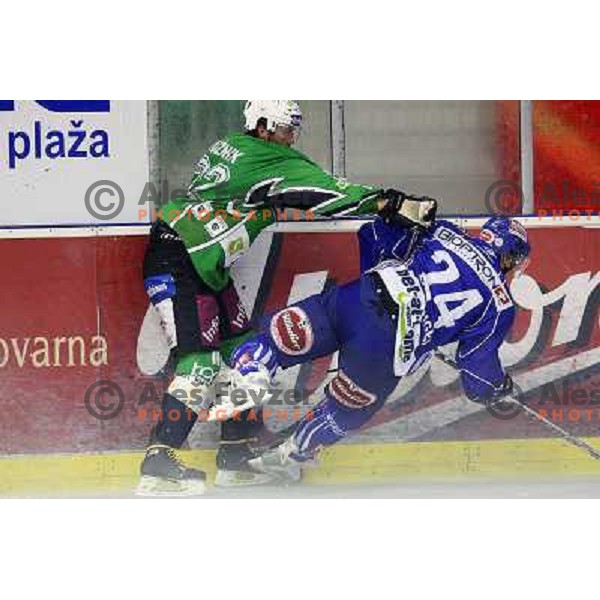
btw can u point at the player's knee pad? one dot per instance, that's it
(292, 331)
(350, 404)
(161, 291)
(349, 394)
(305, 330)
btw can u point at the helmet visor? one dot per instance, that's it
(288, 132)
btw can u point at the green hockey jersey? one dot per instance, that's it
(240, 187)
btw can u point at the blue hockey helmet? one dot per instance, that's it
(507, 236)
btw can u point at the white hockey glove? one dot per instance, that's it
(248, 388)
(408, 211)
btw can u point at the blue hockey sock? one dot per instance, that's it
(317, 429)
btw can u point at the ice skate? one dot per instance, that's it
(163, 474)
(280, 462)
(235, 468)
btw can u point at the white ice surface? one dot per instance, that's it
(564, 488)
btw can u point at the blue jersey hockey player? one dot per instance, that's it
(419, 290)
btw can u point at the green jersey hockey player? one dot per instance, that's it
(241, 186)
(244, 181)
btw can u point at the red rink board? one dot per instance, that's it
(61, 288)
(85, 287)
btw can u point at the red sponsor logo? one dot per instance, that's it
(346, 392)
(501, 295)
(487, 236)
(292, 332)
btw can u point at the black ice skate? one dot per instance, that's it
(163, 474)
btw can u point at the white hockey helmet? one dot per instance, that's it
(276, 113)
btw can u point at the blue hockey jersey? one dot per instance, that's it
(449, 288)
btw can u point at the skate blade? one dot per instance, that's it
(290, 473)
(156, 487)
(230, 479)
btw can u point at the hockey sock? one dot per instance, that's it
(325, 425)
(318, 428)
(175, 423)
(195, 375)
(236, 438)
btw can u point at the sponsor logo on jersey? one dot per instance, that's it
(501, 295)
(350, 394)
(210, 334)
(414, 299)
(159, 287)
(487, 236)
(460, 245)
(202, 210)
(208, 319)
(411, 312)
(341, 183)
(490, 237)
(216, 227)
(427, 330)
(155, 289)
(240, 319)
(407, 291)
(292, 331)
(473, 257)
(235, 245)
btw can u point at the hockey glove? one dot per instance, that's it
(253, 365)
(502, 391)
(408, 211)
(257, 350)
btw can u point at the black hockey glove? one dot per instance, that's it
(502, 391)
(407, 211)
(505, 389)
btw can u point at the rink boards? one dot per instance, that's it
(75, 314)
